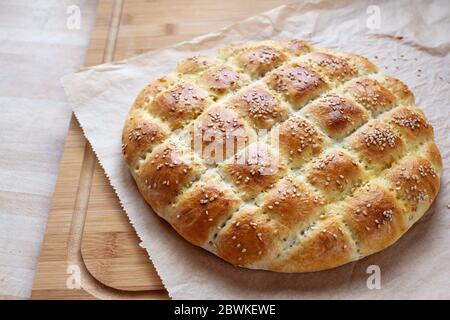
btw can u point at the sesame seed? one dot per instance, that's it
(379, 138)
(388, 214)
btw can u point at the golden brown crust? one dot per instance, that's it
(295, 47)
(378, 144)
(333, 67)
(400, 90)
(165, 172)
(291, 202)
(220, 133)
(180, 104)
(299, 141)
(222, 79)
(374, 218)
(194, 64)
(257, 61)
(432, 153)
(248, 237)
(337, 116)
(362, 64)
(326, 246)
(297, 84)
(369, 93)
(281, 156)
(140, 135)
(199, 211)
(147, 95)
(415, 181)
(335, 173)
(410, 123)
(253, 170)
(261, 107)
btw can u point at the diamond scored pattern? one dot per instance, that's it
(304, 210)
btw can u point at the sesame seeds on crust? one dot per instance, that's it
(353, 168)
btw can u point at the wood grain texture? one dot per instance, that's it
(109, 246)
(36, 50)
(61, 248)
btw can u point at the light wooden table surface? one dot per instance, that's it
(36, 50)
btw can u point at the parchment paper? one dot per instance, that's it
(411, 43)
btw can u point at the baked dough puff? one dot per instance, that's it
(299, 141)
(253, 170)
(148, 94)
(400, 90)
(335, 173)
(142, 131)
(180, 104)
(357, 62)
(194, 65)
(219, 134)
(140, 135)
(165, 173)
(202, 209)
(298, 84)
(411, 125)
(333, 68)
(291, 48)
(257, 60)
(377, 144)
(253, 236)
(262, 107)
(374, 218)
(415, 181)
(294, 47)
(222, 79)
(328, 243)
(291, 202)
(337, 116)
(248, 237)
(370, 94)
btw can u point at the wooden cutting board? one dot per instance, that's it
(89, 239)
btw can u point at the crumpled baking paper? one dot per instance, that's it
(409, 41)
